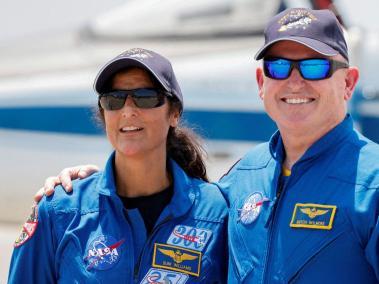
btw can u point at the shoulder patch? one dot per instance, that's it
(29, 227)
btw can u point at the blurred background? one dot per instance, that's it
(51, 51)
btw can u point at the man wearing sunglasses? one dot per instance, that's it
(304, 206)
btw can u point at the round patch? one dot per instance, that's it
(251, 208)
(103, 253)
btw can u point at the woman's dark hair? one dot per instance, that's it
(183, 145)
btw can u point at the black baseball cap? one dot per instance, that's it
(319, 30)
(157, 65)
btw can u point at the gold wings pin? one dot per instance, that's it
(177, 256)
(313, 212)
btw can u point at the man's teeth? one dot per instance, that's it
(298, 101)
(130, 128)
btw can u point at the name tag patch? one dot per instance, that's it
(164, 276)
(177, 259)
(313, 216)
(189, 237)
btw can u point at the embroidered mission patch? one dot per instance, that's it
(177, 258)
(313, 216)
(189, 237)
(157, 276)
(29, 227)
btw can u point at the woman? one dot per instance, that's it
(151, 216)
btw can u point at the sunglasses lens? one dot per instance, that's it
(277, 69)
(148, 98)
(112, 101)
(314, 69)
(142, 98)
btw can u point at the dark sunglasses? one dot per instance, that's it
(142, 98)
(310, 69)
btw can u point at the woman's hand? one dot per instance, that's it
(65, 177)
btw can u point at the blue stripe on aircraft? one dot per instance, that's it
(218, 125)
(225, 125)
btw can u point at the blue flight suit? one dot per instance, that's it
(319, 225)
(88, 236)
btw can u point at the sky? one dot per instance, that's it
(21, 18)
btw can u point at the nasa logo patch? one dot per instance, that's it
(103, 253)
(251, 208)
(29, 227)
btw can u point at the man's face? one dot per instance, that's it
(296, 104)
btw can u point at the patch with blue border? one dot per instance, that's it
(158, 276)
(103, 253)
(313, 216)
(177, 259)
(189, 237)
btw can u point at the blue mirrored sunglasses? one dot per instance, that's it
(310, 69)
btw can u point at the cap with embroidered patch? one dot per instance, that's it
(316, 29)
(157, 65)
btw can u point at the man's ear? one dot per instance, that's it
(260, 79)
(351, 80)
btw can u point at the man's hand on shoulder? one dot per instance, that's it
(65, 178)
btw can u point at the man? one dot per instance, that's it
(304, 206)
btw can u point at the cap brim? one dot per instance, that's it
(118, 64)
(316, 45)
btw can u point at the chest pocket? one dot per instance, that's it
(319, 247)
(196, 248)
(77, 267)
(248, 240)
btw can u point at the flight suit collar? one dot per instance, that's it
(327, 142)
(184, 193)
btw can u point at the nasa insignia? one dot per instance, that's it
(157, 276)
(103, 253)
(189, 237)
(251, 208)
(29, 227)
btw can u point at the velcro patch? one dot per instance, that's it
(177, 259)
(103, 252)
(29, 227)
(189, 237)
(313, 216)
(156, 276)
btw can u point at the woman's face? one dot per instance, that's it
(133, 131)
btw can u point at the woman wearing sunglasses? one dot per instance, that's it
(151, 216)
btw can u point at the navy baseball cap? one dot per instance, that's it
(316, 29)
(157, 65)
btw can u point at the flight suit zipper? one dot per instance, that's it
(271, 223)
(147, 244)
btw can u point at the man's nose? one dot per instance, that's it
(295, 80)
